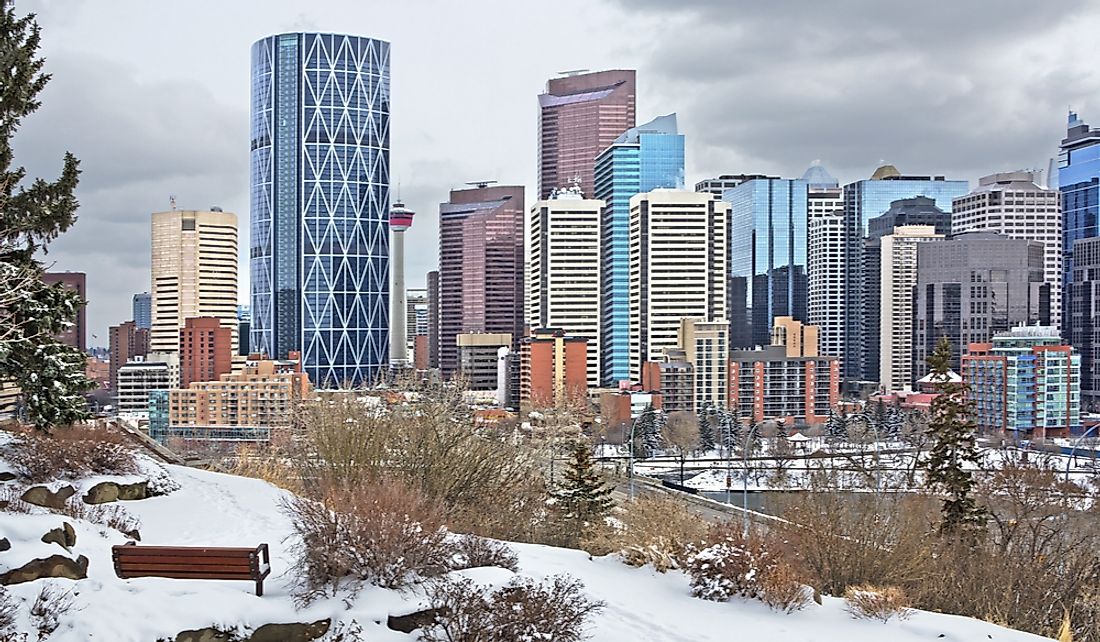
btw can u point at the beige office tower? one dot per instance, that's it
(677, 268)
(1011, 203)
(706, 347)
(898, 256)
(194, 273)
(564, 270)
(825, 258)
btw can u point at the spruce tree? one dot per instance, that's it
(32, 214)
(707, 419)
(583, 496)
(952, 429)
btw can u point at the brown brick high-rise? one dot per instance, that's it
(75, 335)
(126, 342)
(206, 350)
(480, 267)
(580, 116)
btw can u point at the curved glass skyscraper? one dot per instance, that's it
(319, 201)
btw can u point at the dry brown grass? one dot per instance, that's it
(471, 551)
(650, 530)
(70, 452)
(877, 603)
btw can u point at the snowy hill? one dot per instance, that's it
(222, 510)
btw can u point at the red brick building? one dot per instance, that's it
(206, 350)
(553, 369)
(126, 342)
(74, 336)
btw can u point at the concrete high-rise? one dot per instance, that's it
(767, 257)
(719, 184)
(1012, 204)
(1079, 183)
(564, 270)
(972, 286)
(706, 348)
(864, 200)
(825, 257)
(678, 252)
(194, 273)
(320, 204)
(580, 114)
(433, 319)
(642, 159)
(481, 267)
(891, 276)
(126, 342)
(76, 335)
(143, 310)
(401, 219)
(206, 351)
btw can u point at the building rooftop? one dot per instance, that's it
(660, 125)
(818, 177)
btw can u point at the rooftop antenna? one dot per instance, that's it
(172, 201)
(481, 184)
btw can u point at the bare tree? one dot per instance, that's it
(682, 434)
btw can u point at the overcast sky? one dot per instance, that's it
(153, 97)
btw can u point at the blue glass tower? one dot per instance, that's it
(864, 200)
(768, 236)
(319, 203)
(1079, 182)
(644, 158)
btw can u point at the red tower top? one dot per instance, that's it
(401, 217)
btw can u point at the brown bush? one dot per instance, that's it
(471, 551)
(731, 563)
(72, 452)
(877, 603)
(8, 609)
(524, 609)
(383, 533)
(650, 530)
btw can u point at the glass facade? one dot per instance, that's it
(1079, 183)
(768, 236)
(319, 203)
(864, 200)
(643, 159)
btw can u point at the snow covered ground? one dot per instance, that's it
(221, 510)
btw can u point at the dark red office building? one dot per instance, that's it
(76, 336)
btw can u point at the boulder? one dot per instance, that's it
(7, 475)
(205, 635)
(42, 496)
(5, 545)
(294, 632)
(63, 535)
(105, 492)
(413, 621)
(52, 566)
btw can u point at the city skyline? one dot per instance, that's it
(985, 108)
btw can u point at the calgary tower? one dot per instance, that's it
(401, 219)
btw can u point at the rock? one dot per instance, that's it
(294, 632)
(205, 635)
(107, 491)
(42, 496)
(6, 476)
(5, 545)
(63, 535)
(52, 566)
(413, 621)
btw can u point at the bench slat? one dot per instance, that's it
(184, 575)
(242, 568)
(140, 551)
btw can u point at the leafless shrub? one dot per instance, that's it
(10, 501)
(877, 603)
(471, 551)
(381, 533)
(114, 517)
(524, 609)
(48, 608)
(71, 452)
(8, 609)
(732, 563)
(650, 530)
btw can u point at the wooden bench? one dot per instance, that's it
(193, 563)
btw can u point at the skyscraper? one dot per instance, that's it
(642, 159)
(480, 267)
(825, 257)
(320, 200)
(564, 270)
(143, 310)
(767, 229)
(433, 319)
(76, 335)
(864, 200)
(972, 286)
(1011, 203)
(1083, 323)
(1079, 183)
(677, 269)
(126, 341)
(194, 273)
(579, 116)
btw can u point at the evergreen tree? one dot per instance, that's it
(32, 214)
(836, 426)
(707, 419)
(653, 439)
(583, 495)
(952, 429)
(729, 427)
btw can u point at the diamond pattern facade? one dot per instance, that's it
(319, 202)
